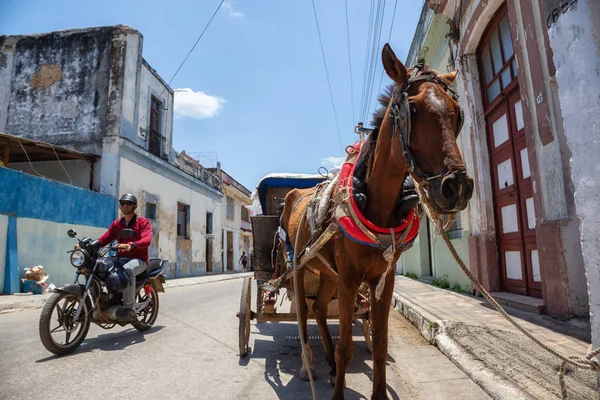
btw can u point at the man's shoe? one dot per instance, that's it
(126, 315)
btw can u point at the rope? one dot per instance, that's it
(587, 362)
(297, 301)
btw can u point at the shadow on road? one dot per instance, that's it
(282, 353)
(109, 342)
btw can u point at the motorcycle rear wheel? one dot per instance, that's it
(147, 316)
(65, 305)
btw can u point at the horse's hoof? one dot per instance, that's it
(332, 380)
(304, 375)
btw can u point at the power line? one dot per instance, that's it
(366, 62)
(375, 52)
(389, 38)
(184, 61)
(354, 121)
(375, 37)
(327, 73)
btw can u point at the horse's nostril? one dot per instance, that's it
(450, 188)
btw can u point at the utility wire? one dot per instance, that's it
(375, 52)
(372, 60)
(354, 121)
(184, 60)
(327, 73)
(389, 38)
(366, 62)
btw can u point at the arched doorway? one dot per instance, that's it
(509, 162)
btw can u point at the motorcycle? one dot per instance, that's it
(74, 307)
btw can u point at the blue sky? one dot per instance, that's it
(260, 96)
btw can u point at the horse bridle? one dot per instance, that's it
(400, 114)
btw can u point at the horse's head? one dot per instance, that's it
(425, 122)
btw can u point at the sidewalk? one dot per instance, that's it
(20, 302)
(499, 358)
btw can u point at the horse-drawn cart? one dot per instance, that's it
(270, 271)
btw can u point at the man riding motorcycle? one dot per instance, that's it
(134, 251)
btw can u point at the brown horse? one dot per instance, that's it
(425, 148)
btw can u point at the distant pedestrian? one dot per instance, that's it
(244, 260)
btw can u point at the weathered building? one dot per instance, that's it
(235, 220)
(91, 90)
(520, 233)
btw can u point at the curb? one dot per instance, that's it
(37, 303)
(476, 370)
(427, 324)
(434, 331)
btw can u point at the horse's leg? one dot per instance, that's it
(303, 311)
(379, 324)
(327, 288)
(347, 292)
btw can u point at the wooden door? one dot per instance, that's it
(509, 162)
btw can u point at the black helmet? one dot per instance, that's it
(128, 197)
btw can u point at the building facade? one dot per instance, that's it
(520, 233)
(237, 230)
(91, 90)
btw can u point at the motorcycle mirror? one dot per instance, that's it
(71, 233)
(126, 233)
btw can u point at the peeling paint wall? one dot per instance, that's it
(54, 87)
(186, 256)
(44, 211)
(575, 41)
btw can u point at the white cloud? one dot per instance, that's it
(198, 105)
(333, 162)
(228, 4)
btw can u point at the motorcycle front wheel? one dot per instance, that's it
(59, 332)
(147, 315)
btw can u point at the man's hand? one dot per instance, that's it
(76, 246)
(123, 247)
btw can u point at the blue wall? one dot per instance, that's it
(28, 196)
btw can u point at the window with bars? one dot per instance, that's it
(230, 208)
(499, 65)
(183, 219)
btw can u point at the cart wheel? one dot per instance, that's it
(245, 316)
(366, 324)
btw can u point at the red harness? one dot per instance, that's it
(351, 228)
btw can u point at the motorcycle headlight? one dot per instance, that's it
(78, 258)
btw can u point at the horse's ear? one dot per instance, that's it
(393, 67)
(449, 77)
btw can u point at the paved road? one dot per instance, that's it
(192, 353)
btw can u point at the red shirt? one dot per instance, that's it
(143, 236)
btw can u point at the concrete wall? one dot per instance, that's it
(46, 243)
(78, 171)
(574, 38)
(44, 210)
(186, 256)
(55, 87)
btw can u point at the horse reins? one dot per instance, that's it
(401, 113)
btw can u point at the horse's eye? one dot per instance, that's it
(413, 108)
